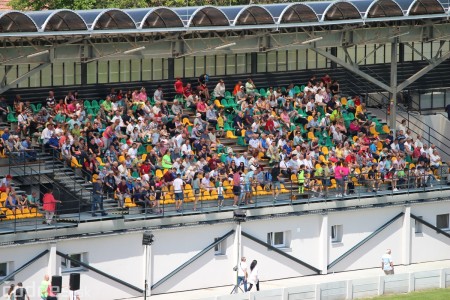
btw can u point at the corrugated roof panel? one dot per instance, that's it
(254, 15)
(384, 8)
(298, 13)
(341, 10)
(208, 16)
(16, 21)
(425, 7)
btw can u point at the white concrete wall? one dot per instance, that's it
(122, 255)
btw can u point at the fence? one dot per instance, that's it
(353, 289)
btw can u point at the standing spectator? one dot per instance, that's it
(97, 197)
(21, 292)
(44, 287)
(276, 186)
(387, 265)
(242, 273)
(178, 191)
(236, 186)
(178, 86)
(11, 292)
(447, 109)
(49, 206)
(253, 278)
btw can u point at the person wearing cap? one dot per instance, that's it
(241, 95)
(97, 197)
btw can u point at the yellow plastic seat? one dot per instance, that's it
(74, 163)
(230, 135)
(158, 173)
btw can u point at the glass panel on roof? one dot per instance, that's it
(426, 7)
(342, 11)
(114, 19)
(384, 8)
(299, 13)
(209, 16)
(16, 22)
(254, 15)
(231, 12)
(64, 21)
(162, 18)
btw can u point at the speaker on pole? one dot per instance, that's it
(56, 284)
(74, 281)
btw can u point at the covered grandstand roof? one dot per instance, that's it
(301, 14)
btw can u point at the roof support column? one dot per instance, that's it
(351, 68)
(25, 76)
(393, 104)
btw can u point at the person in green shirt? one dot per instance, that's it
(33, 199)
(301, 179)
(44, 287)
(107, 104)
(166, 161)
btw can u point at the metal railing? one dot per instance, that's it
(259, 195)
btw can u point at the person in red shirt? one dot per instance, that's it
(270, 125)
(212, 163)
(237, 87)
(145, 168)
(178, 85)
(187, 92)
(49, 206)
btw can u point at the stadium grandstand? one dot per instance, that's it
(312, 121)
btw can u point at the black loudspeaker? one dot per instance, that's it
(74, 281)
(56, 284)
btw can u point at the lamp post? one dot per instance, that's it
(147, 240)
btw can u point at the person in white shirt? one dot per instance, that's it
(435, 160)
(132, 152)
(418, 142)
(219, 90)
(178, 191)
(387, 265)
(254, 143)
(186, 148)
(242, 274)
(253, 278)
(47, 133)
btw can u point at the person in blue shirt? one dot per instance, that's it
(5, 135)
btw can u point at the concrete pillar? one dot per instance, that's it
(53, 268)
(349, 289)
(147, 258)
(323, 245)
(406, 237)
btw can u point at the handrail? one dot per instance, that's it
(280, 252)
(198, 255)
(439, 135)
(340, 258)
(113, 278)
(438, 230)
(23, 267)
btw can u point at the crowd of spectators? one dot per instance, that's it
(142, 146)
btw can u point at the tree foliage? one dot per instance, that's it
(37, 5)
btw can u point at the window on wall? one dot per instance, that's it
(69, 73)
(241, 66)
(220, 64)
(336, 233)
(102, 71)
(418, 226)
(231, 64)
(281, 59)
(35, 80)
(272, 61)
(219, 248)
(92, 72)
(4, 269)
(292, 60)
(312, 59)
(178, 67)
(146, 69)
(279, 239)
(69, 266)
(189, 66)
(262, 63)
(442, 221)
(124, 73)
(157, 69)
(210, 65)
(301, 59)
(199, 65)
